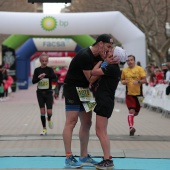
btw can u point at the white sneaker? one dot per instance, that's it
(50, 124)
(44, 132)
(2, 99)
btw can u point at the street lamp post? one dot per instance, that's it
(49, 1)
(167, 29)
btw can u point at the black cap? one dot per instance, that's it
(104, 38)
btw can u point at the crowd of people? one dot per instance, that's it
(158, 75)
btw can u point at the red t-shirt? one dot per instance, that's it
(62, 75)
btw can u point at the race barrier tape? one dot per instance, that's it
(154, 97)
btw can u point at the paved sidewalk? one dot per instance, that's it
(20, 127)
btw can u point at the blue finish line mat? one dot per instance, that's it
(58, 162)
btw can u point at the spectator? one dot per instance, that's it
(1, 83)
(4, 79)
(164, 69)
(138, 63)
(7, 84)
(168, 75)
(61, 77)
(55, 84)
(159, 76)
(152, 80)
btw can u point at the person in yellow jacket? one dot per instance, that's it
(133, 77)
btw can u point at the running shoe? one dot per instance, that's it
(132, 131)
(105, 164)
(50, 124)
(71, 162)
(88, 161)
(44, 132)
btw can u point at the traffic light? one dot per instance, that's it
(49, 1)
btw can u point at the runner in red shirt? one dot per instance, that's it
(61, 77)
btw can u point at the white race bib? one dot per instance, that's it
(85, 94)
(88, 106)
(44, 84)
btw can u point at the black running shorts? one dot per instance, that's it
(104, 107)
(45, 98)
(72, 101)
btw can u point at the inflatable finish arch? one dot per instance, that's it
(25, 48)
(71, 24)
(24, 53)
(91, 23)
(16, 40)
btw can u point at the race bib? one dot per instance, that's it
(43, 84)
(88, 106)
(85, 94)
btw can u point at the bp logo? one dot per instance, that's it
(48, 23)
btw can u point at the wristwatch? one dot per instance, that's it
(138, 81)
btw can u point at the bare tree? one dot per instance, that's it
(150, 16)
(2, 2)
